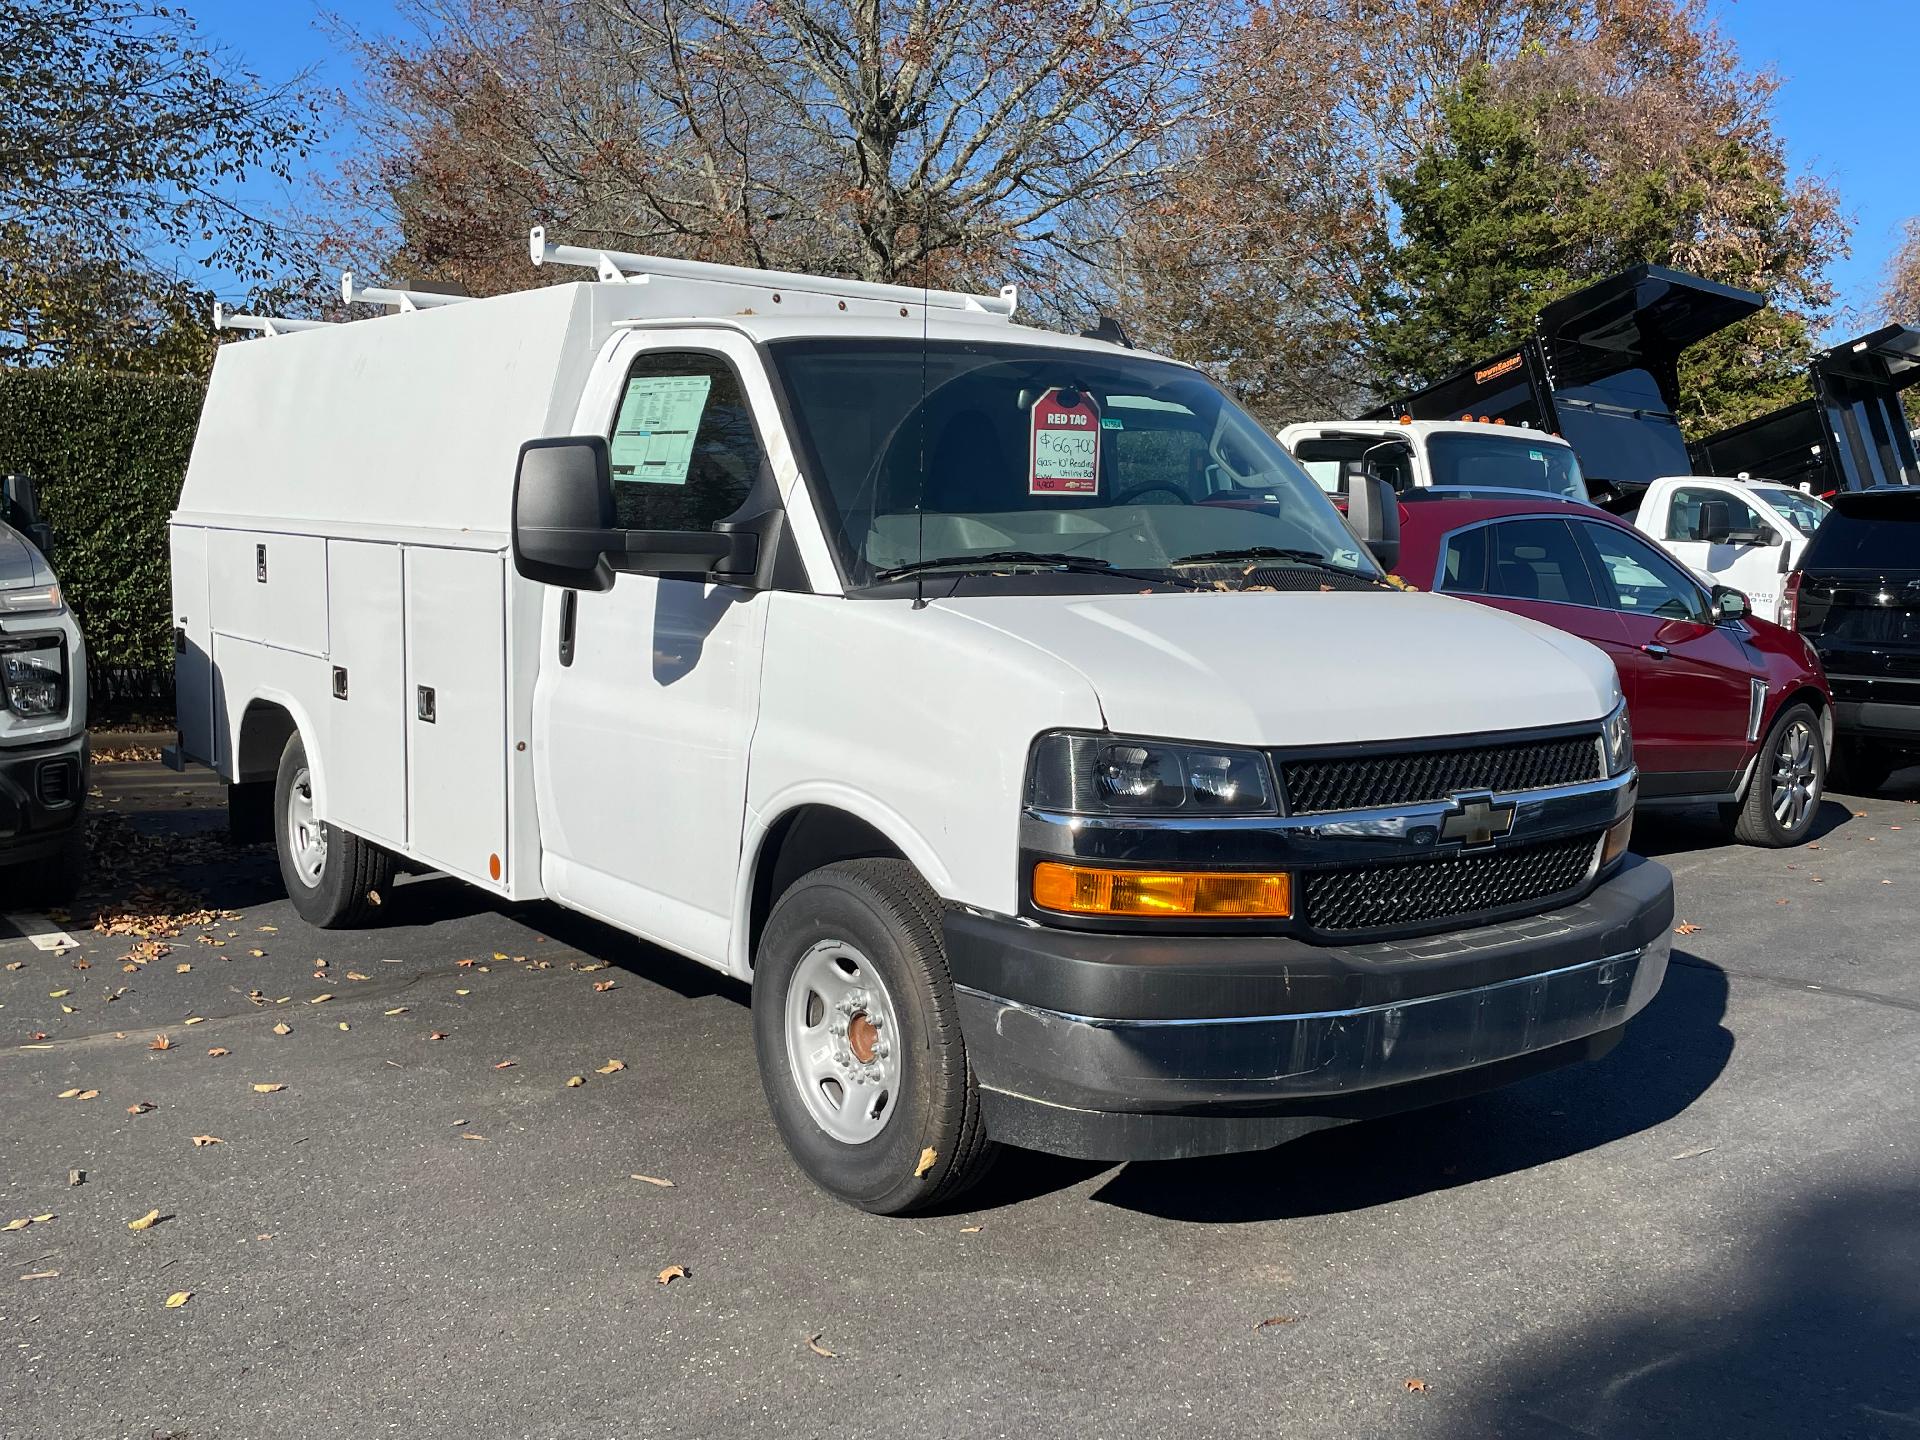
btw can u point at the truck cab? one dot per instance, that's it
(43, 712)
(1745, 534)
(1007, 709)
(1451, 454)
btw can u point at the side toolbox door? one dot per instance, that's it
(192, 643)
(455, 701)
(366, 685)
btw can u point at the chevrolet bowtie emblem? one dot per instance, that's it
(1477, 820)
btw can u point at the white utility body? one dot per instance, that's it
(1746, 534)
(1451, 454)
(1005, 706)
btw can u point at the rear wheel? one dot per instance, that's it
(330, 873)
(858, 1039)
(1789, 781)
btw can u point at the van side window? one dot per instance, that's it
(1518, 560)
(683, 446)
(1692, 515)
(1322, 456)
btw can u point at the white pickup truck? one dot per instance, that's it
(1451, 454)
(1006, 708)
(1746, 534)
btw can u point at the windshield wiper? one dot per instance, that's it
(995, 559)
(1269, 552)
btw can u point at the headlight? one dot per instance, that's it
(24, 602)
(1617, 733)
(35, 679)
(1109, 775)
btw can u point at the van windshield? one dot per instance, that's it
(974, 455)
(1504, 462)
(1802, 511)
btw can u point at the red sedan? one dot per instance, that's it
(1727, 709)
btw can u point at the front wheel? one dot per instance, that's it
(858, 1040)
(1789, 781)
(331, 874)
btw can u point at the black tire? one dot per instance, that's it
(1860, 766)
(1776, 774)
(350, 870)
(885, 914)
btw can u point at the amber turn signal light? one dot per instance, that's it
(1618, 834)
(1205, 894)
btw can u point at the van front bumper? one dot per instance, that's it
(1131, 1047)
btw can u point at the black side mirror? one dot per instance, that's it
(1373, 513)
(565, 529)
(23, 501)
(1716, 522)
(1730, 604)
(41, 534)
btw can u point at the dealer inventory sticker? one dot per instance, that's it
(1065, 454)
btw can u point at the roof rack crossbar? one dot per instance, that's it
(616, 265)
(402, 300)
(225, 319)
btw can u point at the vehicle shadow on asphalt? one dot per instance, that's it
(1821, 1341)
(1674, 832)
(1672, 1052)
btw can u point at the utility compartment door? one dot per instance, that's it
(192, 643)
(456, 708)
(367, 683)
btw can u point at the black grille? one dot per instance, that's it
(1411, 777)
(1417, 892)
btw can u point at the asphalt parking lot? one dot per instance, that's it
(423, 1228)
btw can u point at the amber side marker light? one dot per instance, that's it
(1618, 834)
(1206, 894)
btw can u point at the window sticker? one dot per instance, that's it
(659, 417)
(1112, 422)
(1064, 457)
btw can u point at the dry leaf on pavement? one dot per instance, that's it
(611, 1067)
(20, 1224)
(200, 1142)
(194, 1020)
(140, 1107)
(68, 1094)
(813, 1344)
(1416, 1386)
(356, 975)
(319, 1000)
(283, 1028)
(398, 1010)
(268, 1089)
(178, 1298)
(1685, 927)
(88, 1095)
(56, 994)
(438, 1035)
(160, 1042)
(673, 1273)
(219, 1050)
(574, 1082)
(505, 1065)
(655, 1180)
(603, 985)
(1276, 1320)
(41, 1275)
(145, 1222)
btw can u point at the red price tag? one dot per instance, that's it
(1064, 456)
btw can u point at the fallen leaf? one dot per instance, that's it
(68, 1094)
(194, 1020)
(76, 1177)
(356, 975)
(200, 1142)
(1416, 1386)
(465, 964)
(927, 1157)
(603, 985)
(343, 1024)
(673, 1273)
(88, 1095)
(219, 1050)
(398, 1010)
(654, 1180)
(506, 1065)
(66, 1010)
(470, 1136)
(269, 929)
(574, 1082)
(41, 1275)
(1275, 1320)
(145, 1222)
(41, 1219)
(160, 1042)
(463, 992)
(178, 1298)
(319, 1000)
(268, 1089)
(612, 1067)
(1692, 1154)
(1685, 927)
(437, 1035)
(813, 1344)
(141, 1108)
(56, 994)
(971, 1229)
(16, 965)
(258, 954)
(283, 1028)
(182, 968)
(20, 1224)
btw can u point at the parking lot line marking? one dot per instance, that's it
(44, 934)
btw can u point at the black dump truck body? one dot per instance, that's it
(1601, 369)
(1852, 435)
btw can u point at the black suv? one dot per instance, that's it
(1856, 597)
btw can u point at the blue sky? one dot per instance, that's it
(1838, 73)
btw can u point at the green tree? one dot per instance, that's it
(124, 140)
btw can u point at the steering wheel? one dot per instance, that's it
(1129, 496)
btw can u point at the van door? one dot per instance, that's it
(647, 693)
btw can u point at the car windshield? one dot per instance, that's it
(968, 456)
(1457, 458)
(1797, 508)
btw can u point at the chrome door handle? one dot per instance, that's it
(1659, 652)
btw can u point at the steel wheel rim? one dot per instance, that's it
(843, 1042)
(1794, 776)
(306, 835)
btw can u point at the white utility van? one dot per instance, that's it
(43, 712)
(1448, 454)
(1747, 534)
(1007, 708)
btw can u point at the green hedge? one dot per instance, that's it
(108, 452)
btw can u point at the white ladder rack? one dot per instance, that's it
(225, 319)
(401, 300)
(616, 266)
